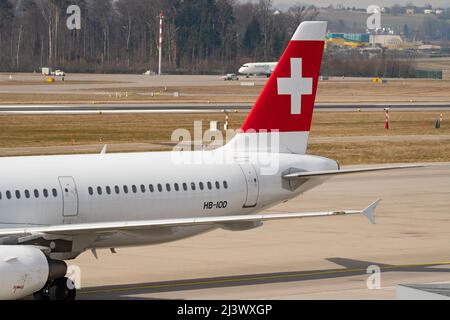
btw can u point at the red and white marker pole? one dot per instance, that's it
(225, 126)
(386, 126)
(161, 25)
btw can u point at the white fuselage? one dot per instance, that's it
(141, 186)
(258, 68)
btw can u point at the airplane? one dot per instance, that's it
(53, 208)
(258, 68)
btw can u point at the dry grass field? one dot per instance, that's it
(392, 91)
(411, 138)
(407, 140)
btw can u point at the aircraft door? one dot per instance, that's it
(70, 196)
(251, 178)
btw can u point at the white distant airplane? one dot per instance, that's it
(53, 208)
(258, 68)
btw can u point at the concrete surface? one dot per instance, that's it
(321, 258)
(109, 81)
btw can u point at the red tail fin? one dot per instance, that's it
(287, 101)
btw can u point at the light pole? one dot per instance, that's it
(161, 25)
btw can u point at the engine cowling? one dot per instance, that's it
(241, 226)
(25, 270)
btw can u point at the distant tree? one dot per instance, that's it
(252, 38)
(227, 31)
(396, 10)
(278, 43)
(199, 35)
(300, 13)
(101, 19)
(406, 32)
(6, 18)
(432, 29)
(6, 12)
(265, 15)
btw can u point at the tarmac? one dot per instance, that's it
(320, 258)
(108, 81)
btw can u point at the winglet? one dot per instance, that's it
(369, 212)
(105, 147)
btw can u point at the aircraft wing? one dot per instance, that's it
(107, 227)
(310, 174)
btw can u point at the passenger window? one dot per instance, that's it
(193, 186)
(125, 189)
(201, 185)
(90, 190)
(184, 186)
(225, 185)
(117, 189)
(150, 187)
(36, 193)
(99, 191)
(217, 185)
(134, 188)
(108, 190)
(45, 192)
(27, 194)
(159, 187)
(175, 185)
(209, 185)
(17, 194)
(168, 187)
(8, 194)
(142, 188)
(54, 192)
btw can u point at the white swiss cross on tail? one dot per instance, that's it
(284, 110)
(295, 86)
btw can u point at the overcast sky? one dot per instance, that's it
(363, 3)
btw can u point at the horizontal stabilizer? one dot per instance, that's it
(310, 174)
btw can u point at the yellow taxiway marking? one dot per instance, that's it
(258, 278)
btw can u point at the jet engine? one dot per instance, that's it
(241, 226)
(25, 270)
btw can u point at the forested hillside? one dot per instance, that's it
(122, 35)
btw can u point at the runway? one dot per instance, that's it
(324, 258)
(203, 108)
